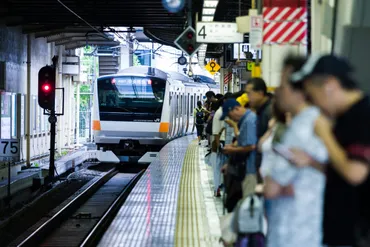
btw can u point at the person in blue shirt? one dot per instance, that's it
(247, 137)
(242, 153)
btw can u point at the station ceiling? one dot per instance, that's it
(74, 23)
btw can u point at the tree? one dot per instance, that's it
(135, 60)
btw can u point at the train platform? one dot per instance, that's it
(172, 204)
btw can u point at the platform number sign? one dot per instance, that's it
(202, 32)
(9, 150)
(218, 32)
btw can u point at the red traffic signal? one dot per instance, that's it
(46, 92)
(46, 88)
(186, 41)
(190, 35)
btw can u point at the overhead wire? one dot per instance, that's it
(114, 32)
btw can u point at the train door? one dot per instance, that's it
(178, 120)
(171, 116)
(192, 117)
(188, 112)
(175, 113)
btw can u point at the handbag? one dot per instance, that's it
(238, 163)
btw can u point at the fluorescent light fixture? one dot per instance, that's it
(210, 3)
(207, 18)
(209, 11)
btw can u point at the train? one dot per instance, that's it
(141, 108)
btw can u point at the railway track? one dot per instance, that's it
(83, 221)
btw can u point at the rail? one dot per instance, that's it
(46, 228)
(95, 235)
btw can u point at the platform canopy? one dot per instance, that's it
(75, 23)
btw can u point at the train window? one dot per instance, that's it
(131, 98)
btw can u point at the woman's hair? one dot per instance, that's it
(215, 105)
(219, 96)
(296, 62)
(199, 104)
(277, 113)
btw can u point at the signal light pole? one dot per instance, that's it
(46, 99)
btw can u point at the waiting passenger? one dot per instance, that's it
(243, 154)
(296, 220)
(217, 145)
(260, 100)
(330, 85)
(199, 115)
(211, 98)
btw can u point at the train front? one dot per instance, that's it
(130, 114)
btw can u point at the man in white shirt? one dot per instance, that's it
(217, 158)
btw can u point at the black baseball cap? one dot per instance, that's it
(228, 106)
(323, 65)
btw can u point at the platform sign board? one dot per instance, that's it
(218, 32)
(9, 150)
(213, 67)
(256, 32)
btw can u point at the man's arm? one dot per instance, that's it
(229, 149)
(355, 172)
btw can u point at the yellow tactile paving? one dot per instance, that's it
(191, 222)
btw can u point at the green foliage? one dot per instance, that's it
(135, 60)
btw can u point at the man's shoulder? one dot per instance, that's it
(251, 115)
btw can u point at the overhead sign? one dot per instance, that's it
(256, 32)
(218, 32)
(213, 67)
(9, 150)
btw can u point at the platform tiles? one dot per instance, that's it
(168, 206)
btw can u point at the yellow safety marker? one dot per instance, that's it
(191, 216)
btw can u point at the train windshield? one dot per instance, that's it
(131, 98)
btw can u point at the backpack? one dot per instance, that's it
(199, 117)
(249, 215)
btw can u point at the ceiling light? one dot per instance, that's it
(207, 18)
(210, 4)
(209, 11)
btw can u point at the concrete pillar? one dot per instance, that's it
(78, 114)
(126, 55)
(59, 82)
(222, 87)
(68, 107)
(273, 56)
(321, 25)
(352, 37)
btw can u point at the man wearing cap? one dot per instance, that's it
(329, 84)
(244, 153)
